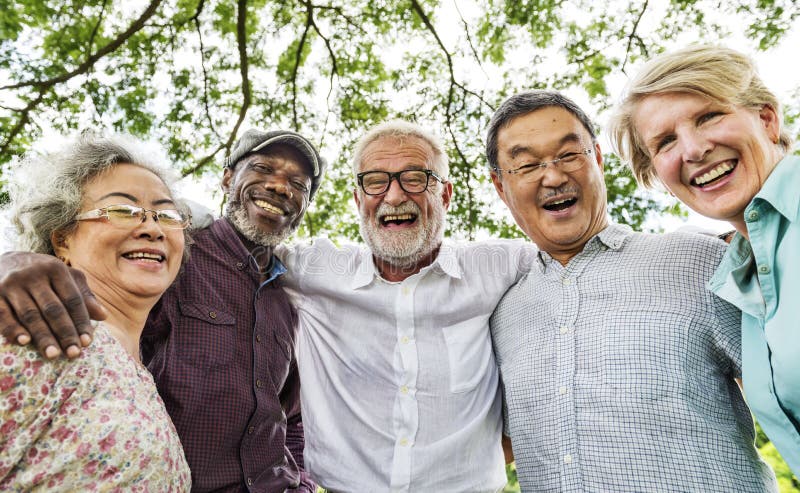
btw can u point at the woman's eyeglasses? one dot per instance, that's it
(130, 216)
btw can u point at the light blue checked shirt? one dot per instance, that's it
(619, 368)
(762, 278)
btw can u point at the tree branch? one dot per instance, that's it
(633, 36)
(25, 116)
(241, 40)
(100, 18)
(137, 25)
(196, 19)
(425, 20)
(297, 57)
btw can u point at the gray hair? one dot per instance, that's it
(527, 102)
(47, 189)
(401, 129)
(715, 72)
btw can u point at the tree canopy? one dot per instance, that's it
(193, 74)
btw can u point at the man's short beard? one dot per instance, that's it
(404, 248)
(237, 214)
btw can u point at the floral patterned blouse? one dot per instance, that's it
(95, 423)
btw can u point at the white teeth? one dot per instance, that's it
(559, 202)
(398, 217)
(144, 256)
(268, 207)
(714, 173)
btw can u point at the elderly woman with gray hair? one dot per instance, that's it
(95, 422)
(701, 122)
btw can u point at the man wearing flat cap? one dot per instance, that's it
(220, 343)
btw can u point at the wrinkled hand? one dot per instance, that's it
(44, 301)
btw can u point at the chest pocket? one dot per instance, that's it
(469, 353)
(644, 352)
(205, 337)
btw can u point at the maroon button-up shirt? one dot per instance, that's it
(220, 345)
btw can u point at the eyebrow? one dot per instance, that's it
(134, 199)
(569, 138)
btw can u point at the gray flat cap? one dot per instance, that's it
(254, 140)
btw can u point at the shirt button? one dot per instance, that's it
(406, 291)
(259, 384)
(212, 314)
(565, 281)
(249, 481)
(752, 216)
(763, 269)
(251, 429)
(403, 442)
(258, 338)
(404, 389)
(568, 459)
(562, 390)
(404, 340)
(564, 330)
(239, 265)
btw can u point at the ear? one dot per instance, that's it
(498, 185)
(356, 198)
(598, 155)
(447, 194)
(60, 242)
(771, 122)
(227, 177)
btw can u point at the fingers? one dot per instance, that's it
(43, 299)
(27, 311)
(81, 308)
(11, 328)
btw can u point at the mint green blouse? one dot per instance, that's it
(762, 278)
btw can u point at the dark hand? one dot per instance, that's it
(43, 300)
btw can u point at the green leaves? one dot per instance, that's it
(179, 71)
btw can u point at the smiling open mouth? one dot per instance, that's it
(398, 219)
(723, 169)
(269, 207)
(150, 257)
(560, 205)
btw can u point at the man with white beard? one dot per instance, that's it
(399, 386)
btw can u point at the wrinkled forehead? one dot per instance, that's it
(393, 151)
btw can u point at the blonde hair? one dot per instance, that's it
(721, 74)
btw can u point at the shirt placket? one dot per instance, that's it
(406, 415)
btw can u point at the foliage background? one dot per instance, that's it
(193, 74)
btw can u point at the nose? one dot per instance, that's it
(693, 145)
(149, 227)
(554, 176)
(395, 195)
(279, 187)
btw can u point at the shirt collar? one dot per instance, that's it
(780, 188)
(226, 233)
(613, 237)
(445, 262)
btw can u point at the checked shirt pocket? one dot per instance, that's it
(205, 336)
(644, 352)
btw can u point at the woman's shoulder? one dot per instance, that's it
(93, 420)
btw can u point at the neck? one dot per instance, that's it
(260, 253)
(126, 317)
(394, 272)
(740, 226)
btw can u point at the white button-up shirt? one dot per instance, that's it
(398, 380)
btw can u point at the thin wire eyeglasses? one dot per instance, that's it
(129, 216)
(410, 180)
(569, 162)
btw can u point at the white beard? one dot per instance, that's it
(404, 248)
